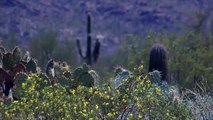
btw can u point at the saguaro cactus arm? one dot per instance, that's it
(79, 49)
(96, 50)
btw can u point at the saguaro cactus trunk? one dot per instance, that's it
(89, 38)
(88, 57)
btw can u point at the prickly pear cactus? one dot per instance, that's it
(67, 80)
(19, 81)
(43, 76)
(118, 70)
(121, 77)
(83, 77)
(26, 56)
(64, 67)
(17, 55)
(31, 66)
(96, 77)
(44, 81)
(50, 69)
(3, 75)
(8, 61)
(68, 74)
(58, 70)
(59, 74)
(155, 77)
(167, 90)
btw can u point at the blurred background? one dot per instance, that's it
(125, 28)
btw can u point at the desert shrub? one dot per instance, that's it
(42, 46)
(46, 46)
(200, 106)
(135, 98)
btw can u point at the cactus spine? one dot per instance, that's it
(89, 54)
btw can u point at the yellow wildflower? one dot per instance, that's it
(96, 107)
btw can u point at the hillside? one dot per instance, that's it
(112, 19)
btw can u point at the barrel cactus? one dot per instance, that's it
(158, 60)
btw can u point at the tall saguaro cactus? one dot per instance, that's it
(89, 56)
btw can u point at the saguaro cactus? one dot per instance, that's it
(88, 56)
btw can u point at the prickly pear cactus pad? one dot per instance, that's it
(31, 66)
(17, 55)
(155, 77)
(20, 79)
(83, 77)
(64, 66)
(50, 69)
(96, 77)
(65, 79)
(16, 69)
(45, 80)
(68, 74)
(118, 70)
(8, 61)
(58, 70)
(120, 78)
(26, 56)
(3, 75)
(43, 76)
(58, 74)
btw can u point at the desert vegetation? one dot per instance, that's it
(160, 76)
(59, 91)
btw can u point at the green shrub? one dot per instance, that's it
(46, 46)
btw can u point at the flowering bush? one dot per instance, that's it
(135, 98)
